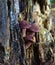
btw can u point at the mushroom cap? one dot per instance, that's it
(24, 24)
(30, 38)
(27, 45)
(34, 27)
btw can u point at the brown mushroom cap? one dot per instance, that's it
(24, 24)
(34, 27)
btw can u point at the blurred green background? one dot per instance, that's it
(52, 1)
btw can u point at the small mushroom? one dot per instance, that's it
(24, 25)
(34, 27)
(30, 39)
(27, 45)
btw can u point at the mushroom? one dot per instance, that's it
(34, 27)
(24, 25)
(29, 41)
(30, 38)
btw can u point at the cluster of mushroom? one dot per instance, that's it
(28, 32)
